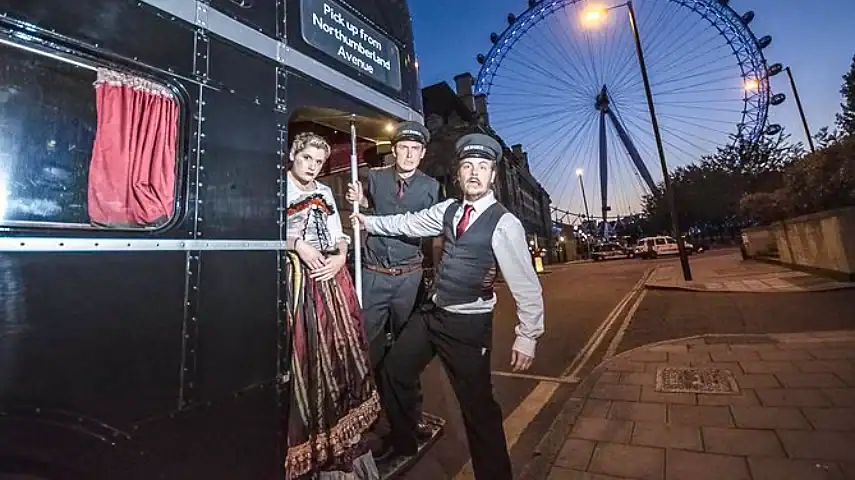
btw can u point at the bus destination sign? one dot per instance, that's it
(331, 28)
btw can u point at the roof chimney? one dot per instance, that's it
(481, 109)
(463, 83)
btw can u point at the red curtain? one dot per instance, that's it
(132, 172)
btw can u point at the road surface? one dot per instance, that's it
(579, 298)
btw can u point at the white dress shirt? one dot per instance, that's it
(511, 251)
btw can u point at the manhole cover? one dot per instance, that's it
(695, 380)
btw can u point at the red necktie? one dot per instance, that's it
(464, 221)
(400, 189)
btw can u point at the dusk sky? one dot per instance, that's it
(815, 39)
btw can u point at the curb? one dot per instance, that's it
(686, 288)
(690, 288)
(553, 440)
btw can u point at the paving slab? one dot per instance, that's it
(730, 273)
(791, 415)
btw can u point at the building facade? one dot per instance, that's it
(449, 114)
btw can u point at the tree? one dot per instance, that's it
(709, 193)
(823, 138)
(846, 118)
(820, 181)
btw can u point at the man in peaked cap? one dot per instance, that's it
(392, 266)
(481, 236)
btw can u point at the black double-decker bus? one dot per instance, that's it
(141, 291)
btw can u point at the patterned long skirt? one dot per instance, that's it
(334, 399)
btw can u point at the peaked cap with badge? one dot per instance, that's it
(478, 145)
(409, 130)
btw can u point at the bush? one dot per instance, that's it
(820, 181)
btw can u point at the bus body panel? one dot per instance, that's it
(165, 359)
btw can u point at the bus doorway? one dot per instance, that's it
(358, 144)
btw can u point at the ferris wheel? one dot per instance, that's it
(566, 84)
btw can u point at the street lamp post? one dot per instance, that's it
(801, 110)
(579, 173)
(595, 15)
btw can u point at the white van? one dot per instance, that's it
(652, 247)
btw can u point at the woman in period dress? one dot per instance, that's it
(334, 400)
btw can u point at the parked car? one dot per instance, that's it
(609, 251)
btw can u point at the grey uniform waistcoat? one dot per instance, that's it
(468, 267)
(421, 193)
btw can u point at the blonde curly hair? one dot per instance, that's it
(305, 140)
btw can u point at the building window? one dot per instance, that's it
(83, 146)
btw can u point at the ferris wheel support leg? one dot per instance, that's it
(633, 152)
(604, 172)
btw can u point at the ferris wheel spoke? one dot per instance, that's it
(682, 42)
(665, 141)
(706, 108)
(544, 72)
(544, 98)
(522, 120)
(526, 77)
(699, 84)
(688, 74)
(554, 56)
(557, 159)
(547, 129)
(527, 94)
(563, 59)
(570, 124)
(705, 62)
(692, 117)
(651, 42)
(572, 46)
(534, 93)
(674, 58)
(579, 75)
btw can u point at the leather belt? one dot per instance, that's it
(394, 271)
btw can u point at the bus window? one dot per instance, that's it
(82, 146)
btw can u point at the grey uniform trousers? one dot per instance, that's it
(387, 303)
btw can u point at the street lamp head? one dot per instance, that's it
(579, 172)
(594, 15)
(751, 85)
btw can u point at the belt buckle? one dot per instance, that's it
(396, 271)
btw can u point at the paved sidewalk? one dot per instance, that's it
(770, 407)
(729, 273)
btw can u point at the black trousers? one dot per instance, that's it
(463, 344)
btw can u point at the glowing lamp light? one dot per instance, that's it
(579, 172)
(751, 85)
(594, 15)
(389, 128)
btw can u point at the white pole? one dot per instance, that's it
(357, 233)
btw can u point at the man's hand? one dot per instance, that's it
(358, 220)
(520, 361)
(354, 193)
(330, 270)
(309, 254)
